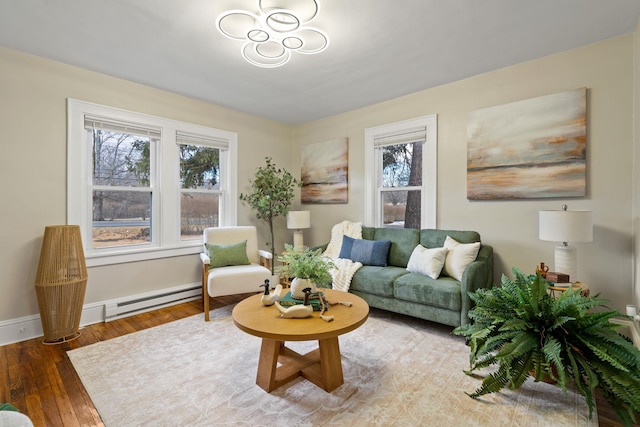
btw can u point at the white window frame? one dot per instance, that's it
(373, 215)
(166, 240)
(183, 137)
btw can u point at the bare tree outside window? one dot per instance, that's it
(143, 187)
(401, 173)
(121, 193)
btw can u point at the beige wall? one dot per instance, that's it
(33, 165)
(636, 163)
(606, 69)
(33, 169)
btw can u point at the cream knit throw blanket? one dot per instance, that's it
(345, 268)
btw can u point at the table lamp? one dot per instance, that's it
(566, 226)
(297, 220)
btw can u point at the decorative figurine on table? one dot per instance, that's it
(542, 269)
(297, 311)
(270, 298)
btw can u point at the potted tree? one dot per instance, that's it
(272, 192)
(525, 331)
(308, 268)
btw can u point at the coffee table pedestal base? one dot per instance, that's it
(322, 366)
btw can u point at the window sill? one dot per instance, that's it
(96, 259)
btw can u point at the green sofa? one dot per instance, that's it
(444, 300)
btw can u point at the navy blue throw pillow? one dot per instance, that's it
(347, 244)
(370, 252)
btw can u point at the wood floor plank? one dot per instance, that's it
(59, 392)
(16, 390)
(77, 396)
(40, 380)
(34, 396)
(5, 388)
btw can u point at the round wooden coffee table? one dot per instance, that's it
(322, 366)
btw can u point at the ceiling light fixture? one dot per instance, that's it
(275, 31)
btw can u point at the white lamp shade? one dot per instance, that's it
(566, 226)
(298, 219)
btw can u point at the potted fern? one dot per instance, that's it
(308, 268)
(526, 332)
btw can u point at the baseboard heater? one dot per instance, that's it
(147, 302)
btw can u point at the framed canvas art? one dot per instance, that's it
(535, 148)
(324, 172)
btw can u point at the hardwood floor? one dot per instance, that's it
(41, 382)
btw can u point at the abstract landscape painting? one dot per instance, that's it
(534, 148)
(324, 172)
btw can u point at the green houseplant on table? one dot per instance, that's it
(525, 331)
(308, 267)
(272, 192)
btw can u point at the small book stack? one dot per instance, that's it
(314, 299)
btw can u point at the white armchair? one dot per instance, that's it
(233, 279)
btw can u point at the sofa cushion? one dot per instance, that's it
(376, 280)
(224, 255)
(345, 249)
(459, 256)
(431, 238)
(370, 252)
(427, 261)
(443, 292)
(403, 241)
(367, 252)
(368, 233)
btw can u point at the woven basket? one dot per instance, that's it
(61, 281)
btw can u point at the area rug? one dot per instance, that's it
(398, 371)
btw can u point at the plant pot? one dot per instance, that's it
(298, 284)
(274, 280)
(546, 379)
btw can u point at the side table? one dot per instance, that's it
(584, 289)
(285, 282)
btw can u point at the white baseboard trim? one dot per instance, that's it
(29, 327)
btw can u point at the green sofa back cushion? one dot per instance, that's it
(368, 233)
(430, 238)
(403, 242)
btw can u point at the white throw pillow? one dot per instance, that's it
(460, 255)
(427, 261)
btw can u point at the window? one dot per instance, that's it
(120, 189)
(401, 174)
(199, 184)
(144, 187)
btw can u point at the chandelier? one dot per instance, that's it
(275, 31)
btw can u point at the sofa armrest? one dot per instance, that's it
(321, 247)
(205, 258)
(478, 274)
(206, 261)
(486, 255)
(265, 258)
(264, 254)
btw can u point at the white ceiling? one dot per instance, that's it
(379, 50)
